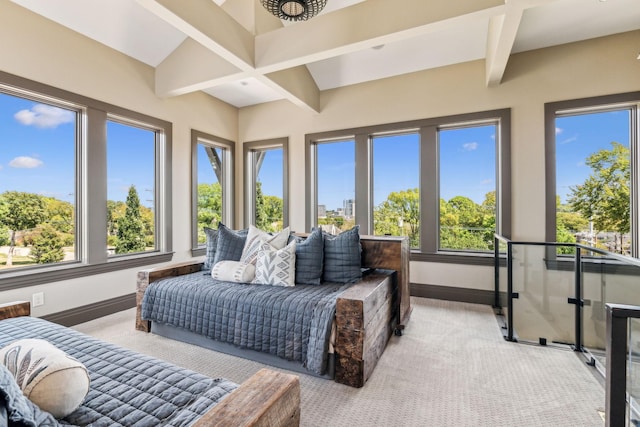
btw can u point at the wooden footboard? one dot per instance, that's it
(15, 309)
(365, 319)
(267, 399)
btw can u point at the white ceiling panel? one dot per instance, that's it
(121, 24)
(464, 43)
(245, 92)
(569, 21)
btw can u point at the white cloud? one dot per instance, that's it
(24, 162)
(559, 131)
(486, 181)
(44, 116)
(569, 140)
(470, 146)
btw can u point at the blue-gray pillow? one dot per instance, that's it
(342, 257)
(309, 258)
(230, 244)
(20, 410)
(211, 244)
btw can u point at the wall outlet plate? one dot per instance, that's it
(37, 299)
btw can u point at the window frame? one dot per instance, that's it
(227, 183)
(429, 182)
(91, 188)
(251, 176)
(552, 111)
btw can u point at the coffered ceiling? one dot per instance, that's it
(236, 51)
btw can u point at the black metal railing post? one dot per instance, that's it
(579, 302)
(496, 273)
(509, 291)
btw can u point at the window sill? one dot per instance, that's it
(464, 258)
(74, 270)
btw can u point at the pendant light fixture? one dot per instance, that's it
(294, 10)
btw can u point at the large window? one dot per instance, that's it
(444, 182)
(335, 185)
(131, 159)
(212, 177)
(594, 185)
(396, 183)
(267, 183)
(37, 181)
(70, 168)
(467, 187)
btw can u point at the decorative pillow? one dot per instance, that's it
(234, 271)
(276, 266)
(309, 258)
(230, 244)
(255, 239)
(212, 242)
(49, 377)
(342, 257)
(16, 409)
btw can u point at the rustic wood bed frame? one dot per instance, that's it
(366, 314)
(268, 398)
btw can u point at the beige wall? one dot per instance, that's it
(40, 50)
(597, 67)
(37, 49)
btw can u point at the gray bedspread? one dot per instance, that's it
(293, 323)
(127, 388)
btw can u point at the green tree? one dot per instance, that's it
(604, 197)
(400, 215)
(209, 207)
(20, 212)
(131, 226)
(47, 246)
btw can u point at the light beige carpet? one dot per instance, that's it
(450, 368)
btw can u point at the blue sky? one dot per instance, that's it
(579, 136)
(37, 152)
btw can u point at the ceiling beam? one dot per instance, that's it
(386, 22)
(194, 65)
(206, 22)
(503, 30)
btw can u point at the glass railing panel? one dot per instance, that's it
(541, 313)
(604, 280)
(633, 373)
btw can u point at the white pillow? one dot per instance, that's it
(255, 239)
(49, 377)
(276, 267)
(233, 271)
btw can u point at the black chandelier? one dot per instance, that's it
(294, 10)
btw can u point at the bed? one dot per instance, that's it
(131, 389)
(347, 333)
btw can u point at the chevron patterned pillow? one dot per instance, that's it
(276, 267)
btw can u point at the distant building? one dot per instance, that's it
(340, 212)
(349, 208)
(322, 211)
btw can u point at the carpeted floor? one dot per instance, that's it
(450, 368)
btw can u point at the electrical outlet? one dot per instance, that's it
(37, 299)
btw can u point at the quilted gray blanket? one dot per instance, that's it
(293, 323)
(127, 388)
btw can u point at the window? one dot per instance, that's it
(66, 165)
(467, 187)
(595, 179)
(212, 169)
(131, 159)
(37, 181)
(335, 188)
(396, 183)
(444, 182)
(267, 183)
